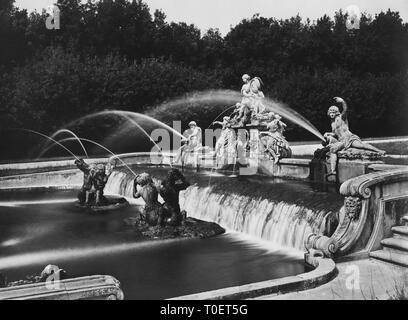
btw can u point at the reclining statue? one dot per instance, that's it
(341, 138)
(170, 190)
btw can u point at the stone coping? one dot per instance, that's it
(58, 178)
(97, 287)
(325, 270)
(45, 164)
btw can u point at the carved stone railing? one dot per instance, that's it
(84, 288)
(361, 226)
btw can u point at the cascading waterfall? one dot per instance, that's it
(120, 183)
(278, 222)
(282, 224)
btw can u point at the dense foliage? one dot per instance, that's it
(118, 55)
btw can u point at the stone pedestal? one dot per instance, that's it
(254, 143)
(347, 169)
(351, 163)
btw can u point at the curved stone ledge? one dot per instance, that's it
(325, 270)
(362, 226)
(360, 186)
(90, 288)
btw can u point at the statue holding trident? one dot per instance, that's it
(341, 138)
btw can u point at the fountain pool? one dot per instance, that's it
(40, 226)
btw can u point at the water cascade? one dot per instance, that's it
(274, 218)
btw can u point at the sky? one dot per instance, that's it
(223, 14)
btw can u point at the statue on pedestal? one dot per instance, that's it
(251, 114)
(341, 139)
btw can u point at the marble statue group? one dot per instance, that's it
(251, 113)
(251, 129)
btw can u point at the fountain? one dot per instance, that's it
(235, 228)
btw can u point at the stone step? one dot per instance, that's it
(397, 258)
(400, 232)
(400, 229)
(395, 243)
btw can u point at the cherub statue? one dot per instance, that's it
(88, 170)
(169, 190)
(340, 138)
(153, 212)
(100, 178)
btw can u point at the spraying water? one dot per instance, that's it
(126, 115)
(229, 108)
(144, 131)
(75, 137)
(228, 97)
(114, 156)
(51, 139)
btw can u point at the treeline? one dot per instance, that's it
(119, 55)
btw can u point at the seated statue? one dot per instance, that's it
(169, 190)
(88, 170)
(273, 141)
(341, 139)
(191, 143)
(153, 212)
